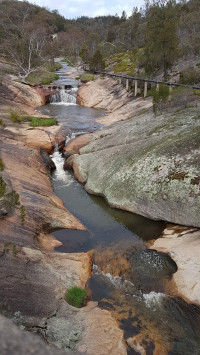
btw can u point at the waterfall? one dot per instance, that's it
(64, 97)
(60, 174)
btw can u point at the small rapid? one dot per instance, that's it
(64, 97)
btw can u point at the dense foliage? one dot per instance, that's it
(154, 36)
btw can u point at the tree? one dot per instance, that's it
(23, 41)
(161, 41)
(84, 53)
(97, 63)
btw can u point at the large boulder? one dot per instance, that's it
(147, 165)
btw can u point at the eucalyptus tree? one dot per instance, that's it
(161, 40)
(24, 40)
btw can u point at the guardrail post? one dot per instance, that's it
(157, 87)
(127, 84)
(170, 91)
(145, 88)
(136, 87)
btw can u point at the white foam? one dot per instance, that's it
(63, 103)
(60, 173)
(153, 299)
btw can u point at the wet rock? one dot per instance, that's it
(47, 160)
(147, 165)
(183, 244)
(68, 165)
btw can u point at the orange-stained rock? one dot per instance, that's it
(101, 334)
(43, 137)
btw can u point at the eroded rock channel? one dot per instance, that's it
(131, 281)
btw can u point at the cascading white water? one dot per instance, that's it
(64, 97)
(60, 174)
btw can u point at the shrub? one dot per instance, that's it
(160, 98)
(1, 165)
(66, 60)
(2, 187)
(2, 124)
(190, 76)
(87, 77)
(77, 297)
(15, 117)
(22, 214)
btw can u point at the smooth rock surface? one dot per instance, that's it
(108, 94)
(147, 165)
(74, 145)
(183, 245)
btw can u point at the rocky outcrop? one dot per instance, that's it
(109, 94)
(147, 165)
(14, 94)
(18, 342)
(182, 244)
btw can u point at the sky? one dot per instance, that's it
(76, 8)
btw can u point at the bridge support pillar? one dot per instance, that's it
(157, 87)
(127, 84)
(136, 87)
(170, 91)
(145, 88)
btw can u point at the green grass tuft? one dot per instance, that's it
(43, 122)
(77, 297)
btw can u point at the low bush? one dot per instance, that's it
(85, 78)
(2, 124)
(66, 60)
(50, 78)
(15, 117)
(160, 98)
(1, 165)
(190, 76)
(77, 297)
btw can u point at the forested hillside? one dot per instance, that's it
(149, 42)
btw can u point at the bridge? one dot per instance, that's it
(142, 84)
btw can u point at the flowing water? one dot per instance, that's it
(128, 279)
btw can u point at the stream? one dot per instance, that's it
(128, 279)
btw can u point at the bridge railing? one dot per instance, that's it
(144, 80)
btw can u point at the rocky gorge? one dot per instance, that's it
(134, 167)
